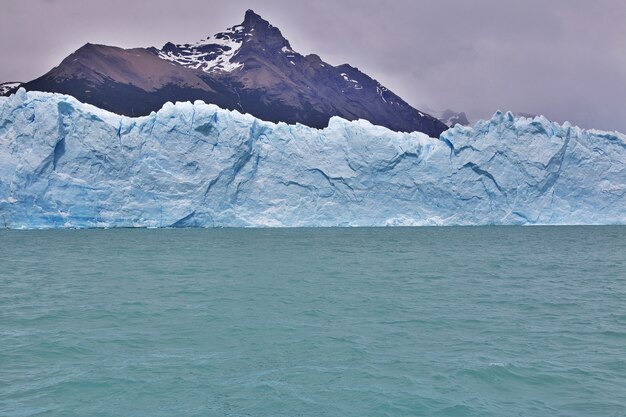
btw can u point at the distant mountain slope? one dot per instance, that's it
(131, 82)
(9, 87)
(452, 118)
(449, 117)
(250, 67)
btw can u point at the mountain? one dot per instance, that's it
(250, 67)
(9, 87)
(67, 164)
(451, 118)
(129, 81)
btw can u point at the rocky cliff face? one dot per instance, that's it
(250, 67)
(67, 164)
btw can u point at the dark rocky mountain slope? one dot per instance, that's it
(250, 67)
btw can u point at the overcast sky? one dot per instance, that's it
(565, 59)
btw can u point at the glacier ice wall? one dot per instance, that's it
(68, 164)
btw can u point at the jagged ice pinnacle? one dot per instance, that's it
(68, 164)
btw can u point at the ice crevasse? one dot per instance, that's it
(68, 164)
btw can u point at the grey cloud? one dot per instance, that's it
(562, 58)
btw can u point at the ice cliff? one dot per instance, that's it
(68, 164)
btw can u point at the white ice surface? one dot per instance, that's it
(67, 164)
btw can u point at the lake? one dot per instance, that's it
(449, 321)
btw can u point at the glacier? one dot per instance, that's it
(68, 164)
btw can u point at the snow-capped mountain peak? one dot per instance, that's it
(250, 67)
(213, 54)
(217, 53)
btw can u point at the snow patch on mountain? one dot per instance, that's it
(8, 87)
(67, 164)
(352, 83)
(213, 54)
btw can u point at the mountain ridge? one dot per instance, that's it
(250, 67)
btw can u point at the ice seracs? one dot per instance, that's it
(68, 164)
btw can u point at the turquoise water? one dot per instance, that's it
(487, 321)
